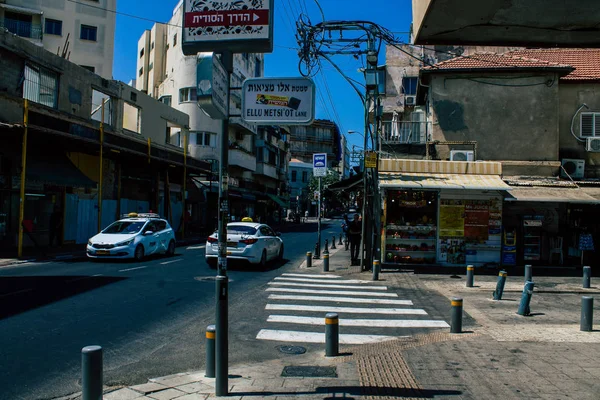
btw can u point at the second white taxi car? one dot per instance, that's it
(250, 241)
(135, 236)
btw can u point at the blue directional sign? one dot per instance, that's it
(320, 164)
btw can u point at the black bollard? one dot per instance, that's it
(500, 285)
(470, 273)
(333, 243)
(587, 277)
(317, 253)
(340, 242)
(526, 299)
(326, 246)
(210, 351)
(308, 259)
(528, 273)
(332, 335)
(91, 373)
(457, 312)
(325, 262)
(587, 314)
(376, 269)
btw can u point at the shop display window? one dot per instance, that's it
(410, 230)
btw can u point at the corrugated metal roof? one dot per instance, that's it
(551, 195)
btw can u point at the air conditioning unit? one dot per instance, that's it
(593, 144)
(410, 100)
(462, 155)
(574, 168)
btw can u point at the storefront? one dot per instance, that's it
(440, 212)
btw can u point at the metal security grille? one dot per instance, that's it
(40, 85)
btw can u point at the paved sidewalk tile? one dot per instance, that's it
(123, 394)
(167, 394)
(149, 387)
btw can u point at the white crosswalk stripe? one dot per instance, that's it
(340, 299)
(325, 286)
(344, 292)
(315, 295)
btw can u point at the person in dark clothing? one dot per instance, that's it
(56, 220)
(354, 234)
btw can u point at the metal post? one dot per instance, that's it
(587, 277)
(587, 314)
(470, 273)
(23, 174)
(526, 299)
(500, 285)
(332, 335)
(457, 312)
(91, 373)
(222, 340)
(222, 323)
(101, 177)
(326, 251)
(376, 268)
(317, 254)
(333, 243)
(528, 273)
(325, 262)
(185, 145)
(210, 351)
(340, 242)
(318, 251)
(308, 259)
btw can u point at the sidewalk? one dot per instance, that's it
(500, 355)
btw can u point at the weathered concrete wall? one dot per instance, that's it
(512, 117)
(572, 96)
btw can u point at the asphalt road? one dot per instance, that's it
(150, 317)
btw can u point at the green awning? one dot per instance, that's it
(279, 200)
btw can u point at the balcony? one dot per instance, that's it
(203, 152)
(403, 132)
(240, 158)
(21, 28)
(239, 122)
(266, 170)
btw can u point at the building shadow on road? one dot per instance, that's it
(20, 294)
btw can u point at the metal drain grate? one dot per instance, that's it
(292, 349)
(309, 372)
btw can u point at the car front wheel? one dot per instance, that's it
(139, 252)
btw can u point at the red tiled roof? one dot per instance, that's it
(493, 61)
(585, 61)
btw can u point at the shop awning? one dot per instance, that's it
(551, 195)
(278, 200)
(56, 169)
(592, 191)
(441, 181)
(353, 182)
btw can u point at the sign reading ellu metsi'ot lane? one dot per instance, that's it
(238, 26)
(289, 101)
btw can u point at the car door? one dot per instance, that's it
(151, 241)
(161, 230)
(270, 240)
(265, 238)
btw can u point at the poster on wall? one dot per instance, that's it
(452, 220)
(452, 251)
(477, 219)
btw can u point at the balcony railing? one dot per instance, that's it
(241, 158)
(265, 169)
(203, 152)
(403, 132)
(22, 28)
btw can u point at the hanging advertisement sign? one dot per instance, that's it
(212, 85)
(452, 220)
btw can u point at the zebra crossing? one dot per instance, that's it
(301, 300)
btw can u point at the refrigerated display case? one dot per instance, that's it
(532, 237)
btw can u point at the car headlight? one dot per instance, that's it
(125, 243)
(90, 243)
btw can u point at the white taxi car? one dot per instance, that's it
(250, 241)
(133, 236)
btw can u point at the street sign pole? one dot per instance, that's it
(222, 320)
(319, 170)
(319, 223)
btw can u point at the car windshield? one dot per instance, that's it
(241, 230)
(124, 227)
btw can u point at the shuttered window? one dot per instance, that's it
(590, 124)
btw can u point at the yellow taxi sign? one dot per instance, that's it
(247, 219)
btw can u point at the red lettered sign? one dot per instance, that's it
(226, 18)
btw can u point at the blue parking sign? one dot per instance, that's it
(320, 164)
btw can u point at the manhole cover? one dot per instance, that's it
(309, 372)
(292, 349)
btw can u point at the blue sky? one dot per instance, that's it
(347, 109)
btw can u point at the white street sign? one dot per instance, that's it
(289, 101)
(320, 164)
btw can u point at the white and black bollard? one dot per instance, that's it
(91, 373)
(587, 277)
(587, 314)
(470, 275)
(528, 273)
(457, 314)
(210, 351)
(332, 335)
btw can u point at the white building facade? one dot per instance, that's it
(84, 33)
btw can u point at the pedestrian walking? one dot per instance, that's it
(354, 233)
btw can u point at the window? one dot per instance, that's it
(89, 68)
(409, 85)
(141, 71)
(40, 85)
(304, 176)
(165, 99)
(53, 27)
(133, 96)
(160, 225)
(152, 46)
(590, 124)
(294, 175)
(150, 67)
(141, 53)
(21, 25)
(174, 40)
(187, 94)
(206, 139)
(97, 99)
(131, 117)
(88, 33)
